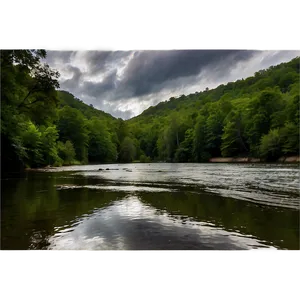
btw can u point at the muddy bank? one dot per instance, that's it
(284, 159)
(46, 168)
(234, 159)
(289, 159)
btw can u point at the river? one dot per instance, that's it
(157, 206)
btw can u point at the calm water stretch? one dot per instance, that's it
(152, 206)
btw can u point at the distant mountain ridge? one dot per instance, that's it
(253, 84)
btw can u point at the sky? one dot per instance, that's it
(125, 83)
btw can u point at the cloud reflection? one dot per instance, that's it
(129, 224)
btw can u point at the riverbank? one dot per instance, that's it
(283, 159)
(290, 159)
(44, 168)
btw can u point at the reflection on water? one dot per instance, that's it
(156, 206)
(130, 224)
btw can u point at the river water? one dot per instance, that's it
(157, 206)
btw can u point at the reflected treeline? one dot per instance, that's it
(277, 226)
(32, 207)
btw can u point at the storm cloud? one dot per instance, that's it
(124, 83)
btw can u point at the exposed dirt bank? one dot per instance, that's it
(284, 159)
(289, 159)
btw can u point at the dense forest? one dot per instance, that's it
(42, 125)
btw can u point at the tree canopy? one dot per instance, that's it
(42, 125)
(257, 116)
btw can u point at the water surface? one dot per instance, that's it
(153, 206)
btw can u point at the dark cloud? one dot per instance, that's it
(124, 83)
(96, 89)
(151, 68)
(74, 80)
(149, 71)
(100, 61)
(96, 60)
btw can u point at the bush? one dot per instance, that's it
(66, 152)
(145, 159)
(58, 163)
(270, 145)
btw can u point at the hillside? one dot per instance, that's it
(41, 125)
(282, 76)
(88, 111)
(255, 116)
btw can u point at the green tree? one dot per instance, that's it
(49, 136)
(73, 126)
(199, 144)
(290, 138)
(28, 98)
(214, 128)
(162, 145)
(233, 141)
(122, 130)
(101, 148)
(185, 150)
(32, 142)
(66, 152)
(145, 159)
(127, 150)
(259, 117)
(286, 80)
(271, 145)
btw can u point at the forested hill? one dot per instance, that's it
(88, 111)
(40, 125)
(283, 76)
(257, 116)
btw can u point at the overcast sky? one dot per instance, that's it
(125, 83)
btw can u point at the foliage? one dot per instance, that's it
(145, 159)
(66, 152)
(271, 144)
(42, 126)
(257, 116)
(236, 119)
(127, 150)
(101, 147)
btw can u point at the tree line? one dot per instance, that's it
(41, 125)
(253, 117)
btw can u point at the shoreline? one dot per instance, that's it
(283, 160)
